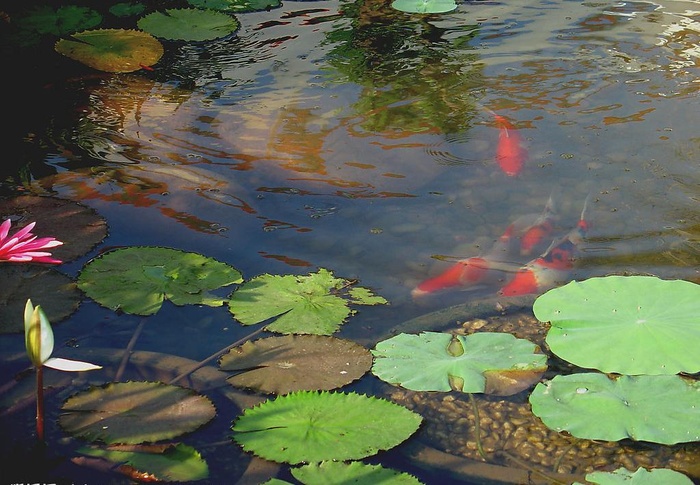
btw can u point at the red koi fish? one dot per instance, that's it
(510, 153)
(552, 267)
(522, 236)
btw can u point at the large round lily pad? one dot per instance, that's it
(190, 24)
(625, 324)
(481, 362)
(661, 409)
(79, 227)
(296, 362)
(112, 50)
(135, 412)
(308, 426)
(138, 279)
(55, 292)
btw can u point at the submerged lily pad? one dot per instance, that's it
(309, 426)
(61, 21)
(310, 304)
(661, 409)
(80, 228)
(296, 362)
(112, 50)
(625, 324)
(357, 473)
(623, 476)
(190, 24)
(434, 361)
(171, 463)
(57, 294)
(138, 279)
(134, 412)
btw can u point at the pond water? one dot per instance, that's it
(353, 137)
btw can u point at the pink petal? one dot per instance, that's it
(4, 229)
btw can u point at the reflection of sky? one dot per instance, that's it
(303, 142)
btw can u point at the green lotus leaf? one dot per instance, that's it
(296, 362)
(660, 409)
(138, 279)
(236, 6)
(189, 24)
(310, 304)
(112, 50)
(134, 412)
(642, 476)
(171, 463)
(309, 426)
(625, 324)
(434, 361)
(59, 22)
(424, 6)
(355, 472)
(127, 9)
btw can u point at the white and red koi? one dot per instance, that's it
(521, 237)
(510, 152)
(552, 267)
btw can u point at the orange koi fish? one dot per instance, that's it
(522, 236)
(552, 267)
(510, 153)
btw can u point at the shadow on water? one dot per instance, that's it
(351, 136)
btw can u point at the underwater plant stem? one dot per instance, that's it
(129, 348)
(217, 354)
(40, 403)
(477, 428)
(532, 469)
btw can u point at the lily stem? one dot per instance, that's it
(40, 403)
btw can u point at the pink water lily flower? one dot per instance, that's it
(24, 246)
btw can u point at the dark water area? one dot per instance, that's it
(357, 138)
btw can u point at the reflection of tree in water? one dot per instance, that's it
(415, 75)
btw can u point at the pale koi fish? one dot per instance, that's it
(553, 267)
(521, 237)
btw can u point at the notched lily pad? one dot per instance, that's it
(134, 412)
(424, 6)
(488, 362)
(79, 227)
(660, 409)
(112, 50)
(170, 462)
(236, 6)
(312, 304)
(290, 363)
(309, 426)
(190, 24)
(138, 279)
(358, 473)
(625, 324)
(57, 294)
(642, 476)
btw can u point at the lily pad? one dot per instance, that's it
(424, 6)
(58, 22)
(190, 24)
(134, 412)
(660, 409)
(434, 361)
(171, 463)
(308, 426)
(310, 304)
(236, 6)
(79, 227)
(625, 324)
(112, 50)
(358, 473)
(138, 279)
(57, 294)
(296, 362)
(642, 476)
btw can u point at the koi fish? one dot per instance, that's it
(522, 236)
(510, 153)
(553, 266)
